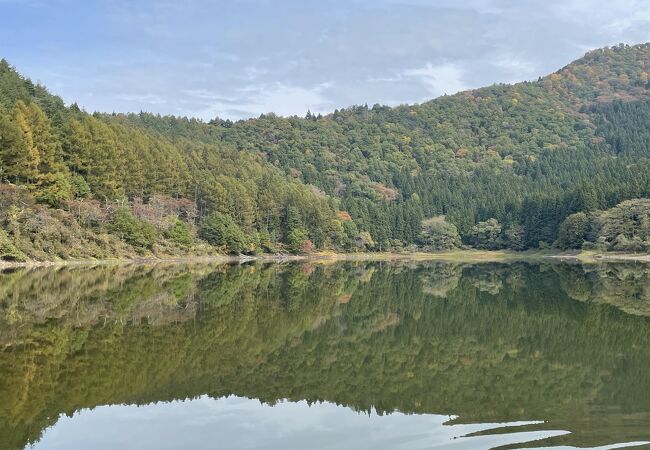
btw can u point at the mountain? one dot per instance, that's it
(505, 165)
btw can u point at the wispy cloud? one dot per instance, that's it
(256, 99)
(243, 58)
(149, 99)
(439, 80)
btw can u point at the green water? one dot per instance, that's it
(338, 356)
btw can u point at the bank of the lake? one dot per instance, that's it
(461, 255)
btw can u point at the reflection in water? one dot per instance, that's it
(238, 423)
(563, 348)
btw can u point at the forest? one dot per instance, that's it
(560, 162)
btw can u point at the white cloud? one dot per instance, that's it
(239, 59)
(279, 98)
(150, 99)
(439, 80)
(617, 15)
(517, 67)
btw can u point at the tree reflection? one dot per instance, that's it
(567, 344)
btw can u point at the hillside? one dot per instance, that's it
(505, 165)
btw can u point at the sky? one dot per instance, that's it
(240, 58)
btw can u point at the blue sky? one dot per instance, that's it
(239, 58)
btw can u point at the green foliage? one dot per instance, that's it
(221, 231)
(514, 237)
(626, 227)
(138, 233)
(298, 241)
(80, 186)
(536, 340)
(13, 151)
(574, 231)
(179, 233)
(438, 234)
(54, 189)
(486, 235)
(8, 251)
(527, 155)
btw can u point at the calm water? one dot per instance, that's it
(334, 356)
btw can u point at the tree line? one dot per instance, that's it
(505, 166)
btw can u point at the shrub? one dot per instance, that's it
(12, 195)
(8, 251)
(180, 234)
(137, 233)
(221, 230)
(438, 234)
(298, 241)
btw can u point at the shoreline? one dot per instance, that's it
(466, 256)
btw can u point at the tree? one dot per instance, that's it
(221, 231)
(298, 240)
(364, 241)
(54, 188)
(350, 232)
(43, 146)
(297, 237)
(438, 234)
(573, 231)
(92, 150)
(626, 226)
(486, 235)
(14, 157)
(514, 237)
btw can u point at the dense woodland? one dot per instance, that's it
(562, 161)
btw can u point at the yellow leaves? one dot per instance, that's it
(32, 157)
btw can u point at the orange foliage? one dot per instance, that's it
(344, 216)
(345, 298)
(385, 192)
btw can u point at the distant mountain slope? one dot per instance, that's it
(530, 139)
(528, 155)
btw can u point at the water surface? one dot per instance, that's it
(337, 356)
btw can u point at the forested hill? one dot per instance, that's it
(501, 166)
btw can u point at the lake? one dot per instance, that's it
(348, 355)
